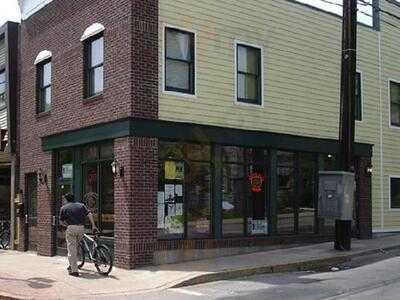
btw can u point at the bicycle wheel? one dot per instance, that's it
(103, 260)
(81, 255)
(5, 239)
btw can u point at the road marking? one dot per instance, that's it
(187, 292)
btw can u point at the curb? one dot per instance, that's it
(290, 267)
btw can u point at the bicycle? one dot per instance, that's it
(4, 234)
(99, 254)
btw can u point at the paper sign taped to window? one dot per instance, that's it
(173, 170)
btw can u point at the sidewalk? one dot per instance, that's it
(28, 276)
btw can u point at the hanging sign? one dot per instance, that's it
(256, 182)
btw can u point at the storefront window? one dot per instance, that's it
(244, 191)
(199, 199)
(184, 190)
(285, 197)
(65, 174)
(233, 197)
(305, 193)
(98, 185)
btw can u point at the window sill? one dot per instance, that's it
(43, 114)
(94, 98)
(179, 94)
(249, 105)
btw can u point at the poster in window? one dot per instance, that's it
(161, 216)
(160, 197)
(169, 193)
(258, 226)
(179, 190)
(67, 171)
(174, 170)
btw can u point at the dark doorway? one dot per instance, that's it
(31, 211)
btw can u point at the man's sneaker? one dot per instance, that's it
(75, 274)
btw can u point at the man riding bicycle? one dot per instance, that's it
(72, 216)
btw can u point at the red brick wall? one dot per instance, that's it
(130, 78)
(363, 198)
(135, 201)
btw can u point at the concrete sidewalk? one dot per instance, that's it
(28, 276)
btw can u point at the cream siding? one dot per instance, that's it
(301, 48)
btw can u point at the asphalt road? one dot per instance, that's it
(373, 277)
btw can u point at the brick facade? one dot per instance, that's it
(130, 90)
(130, 83)
(135, 206)
(363, 198)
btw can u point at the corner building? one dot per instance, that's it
(190, 132)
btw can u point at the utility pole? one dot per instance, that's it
(347, 108)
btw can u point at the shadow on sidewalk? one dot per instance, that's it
(34, 282)
(89, 274)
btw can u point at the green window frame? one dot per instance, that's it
(44, 85)
(249, 74)
(358, 115)
(394, 103)
(179, 56)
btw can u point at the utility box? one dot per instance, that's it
(336, 195)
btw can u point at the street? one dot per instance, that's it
(372, 280)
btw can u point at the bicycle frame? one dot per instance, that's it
(86, 246)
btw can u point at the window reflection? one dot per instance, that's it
(305, 193)
(233, 193)
(285, 219)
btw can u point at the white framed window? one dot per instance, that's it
(249, 74)
(179, 69)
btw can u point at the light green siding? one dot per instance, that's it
(301, 55)
(390, 45)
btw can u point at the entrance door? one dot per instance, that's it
(31, 211)
(63, 186)
(98, 195)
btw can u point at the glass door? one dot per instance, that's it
(63, 186)
(91, 192)
(106, 203)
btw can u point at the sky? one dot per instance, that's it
(9, 10)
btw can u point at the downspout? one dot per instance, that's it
(381, 130)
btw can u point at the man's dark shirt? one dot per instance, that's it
(73, 213)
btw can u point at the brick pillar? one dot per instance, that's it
(45, 237)
(135, 201)
(42, 232)
(363, 198)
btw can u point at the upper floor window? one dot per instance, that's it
(3, 101)
(395, 103)
(43, 86)
(394, 192)
(94, 61)
(179, 61)
(358, 104)
(249, 74)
